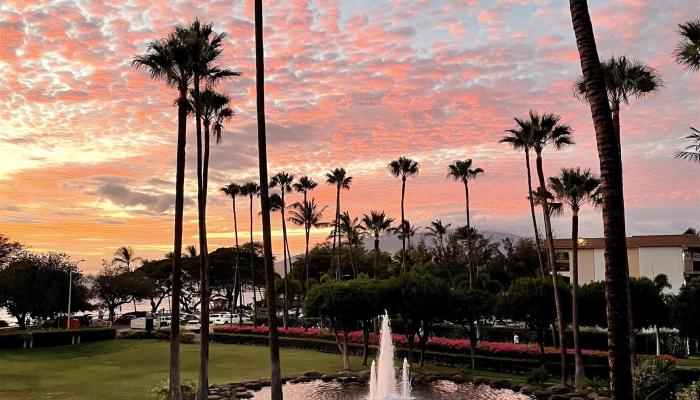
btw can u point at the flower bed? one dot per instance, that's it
(511, 350)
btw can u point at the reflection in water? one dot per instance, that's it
(441, 390)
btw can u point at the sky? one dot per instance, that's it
(88, 143)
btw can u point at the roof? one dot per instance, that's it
(635, 241)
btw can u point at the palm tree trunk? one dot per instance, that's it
(552, 267)
(579, 374)
(275, 370)
(472, 275)
(175, 385)
(306, 256)
(336, 233)
(538, 242)
(203, 383)
(285, 314)
(376, 255)
(252, 266)
(403, 223)
(237, 270)
(616, 267)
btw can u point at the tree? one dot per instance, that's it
(169, 60)
(688, 49)
(376, 223)
(547, 131)
(251, 189)
(692, 151)
(37, 285)
(685, 310)
(115, 285)
(468, 306)
(520, 138)
(616, 267)
(276, 382)
(340, 178)
(284, 181)
(233, 190)
(309, 216)
(8, 249)
(277, 204)
(125, 256)
(575, 187)
(159, 277)
(304, 186)
(403, 168)
(462, 171)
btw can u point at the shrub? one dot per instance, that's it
(690, 392)
(651, 373)
(538, 376)
(55, 337)
(162, 390)
(185, 335)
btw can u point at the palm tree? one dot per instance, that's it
(403, 167)
(233, 190)
(350, 227)
(688, 50)
(308, 215)
(405, 231)
(624, 78)
(125, 256)
(575, 187)
(304, 186)
(341, 180)
(284, 181)
(520, 138)
(462, 171)
(169, 60)
(376, 223)
(438, 230)
(616, 267)
(251, 189)
(691, 152)
(547, 131)
(275, 368)
(277, 204)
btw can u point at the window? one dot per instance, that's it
(562, 260)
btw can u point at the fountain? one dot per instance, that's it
(382, 383)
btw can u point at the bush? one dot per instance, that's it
(185, 335)
(538, 376)
(55, 337)
(162, 390)
(651, 374)
(690, 392)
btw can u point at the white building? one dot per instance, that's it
(677, 256)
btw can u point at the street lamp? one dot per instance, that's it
(70, 288)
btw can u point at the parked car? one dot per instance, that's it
(226, 317)
(193, 325)
(125, 319)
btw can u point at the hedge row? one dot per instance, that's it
(55, 337)
(162, 334)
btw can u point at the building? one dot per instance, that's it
(677, 256)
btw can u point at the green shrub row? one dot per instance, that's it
(162, 334)
(55, 337)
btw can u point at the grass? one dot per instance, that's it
(128, 369)
(688, 362)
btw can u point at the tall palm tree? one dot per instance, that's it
(350, 227)
(304, 186)
(275, 368)
(624, 78)
(462, 171)
(169, 60)
(403, 167)
(233, 190)
(688, 49)
(125, 256)
(308, 215)
(277, 204)
(341, 180)
(251, 189)
(520, 138)
(547, 131)
(613, 205)
(376, 223)
(284, 181)
(692, 151)
(575, 187)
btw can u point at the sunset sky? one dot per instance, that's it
(88, 143)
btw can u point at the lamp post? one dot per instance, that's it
(70, 288)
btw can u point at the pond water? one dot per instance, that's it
(440, 390)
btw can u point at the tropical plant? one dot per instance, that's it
(520, 138)
(341, 180)
(374, 224)
(284, 181)
(403, 168)
(575, 187)
(233, 190)
(653, 374)
(352, 229)
(546, 131)
(613, 204)
(308, 215)
(125, 256)
(438, 231)
(690, 392)
(468, 306)
(692, 151)
(251, 189)
(304, 185)
(169, 60)
(462, 171)
(688, 49)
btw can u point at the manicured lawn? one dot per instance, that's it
(690, 362)
(127, 369)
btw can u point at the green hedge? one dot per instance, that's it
(55, 337)
(163, 334)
